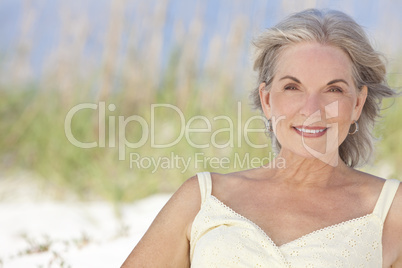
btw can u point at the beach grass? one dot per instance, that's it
(126, 86)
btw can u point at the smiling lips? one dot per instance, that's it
(310, 132)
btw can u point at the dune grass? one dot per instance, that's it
(33, 113)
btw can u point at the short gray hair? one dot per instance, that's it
(337, 29)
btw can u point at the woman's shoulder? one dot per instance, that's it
(225, 180)
(191, 187)
(368, 186)
(375, 185)
(229, 184)
(392, 230)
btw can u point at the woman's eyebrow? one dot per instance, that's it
(291, 78)
(336, 81)
(329, 83)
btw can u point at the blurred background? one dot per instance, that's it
(195, 55)
(117, 59)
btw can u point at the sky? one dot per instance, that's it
(44, 21)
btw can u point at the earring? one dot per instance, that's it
(356, 128)
(269, 126)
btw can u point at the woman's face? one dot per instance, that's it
(312, 101)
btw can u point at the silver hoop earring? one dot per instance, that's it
(356, 128)
(269, 126)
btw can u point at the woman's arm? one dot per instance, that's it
(392, 233)
(166, 243)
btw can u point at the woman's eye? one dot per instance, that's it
(335, 89)
(290, 87)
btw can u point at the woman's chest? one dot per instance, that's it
(220, 229)
(286, 217)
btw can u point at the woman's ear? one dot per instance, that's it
(361, 100)
(264, 98)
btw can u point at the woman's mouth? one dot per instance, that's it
(310, 132)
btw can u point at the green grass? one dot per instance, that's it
(33, 124)
(33, 115)
(35, 140)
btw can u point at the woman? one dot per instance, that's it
(320, 87)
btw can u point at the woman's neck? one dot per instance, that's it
(310, 171)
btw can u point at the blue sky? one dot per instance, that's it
(380, 18)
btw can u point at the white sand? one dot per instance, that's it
(80, 234)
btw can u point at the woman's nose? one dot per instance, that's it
(311, 105)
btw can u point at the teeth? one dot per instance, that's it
(312, 131)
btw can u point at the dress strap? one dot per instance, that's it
(205, 182)
(386, 197)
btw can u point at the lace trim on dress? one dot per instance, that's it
(337, 225)
(253, 224)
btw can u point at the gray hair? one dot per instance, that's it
(337, 29)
